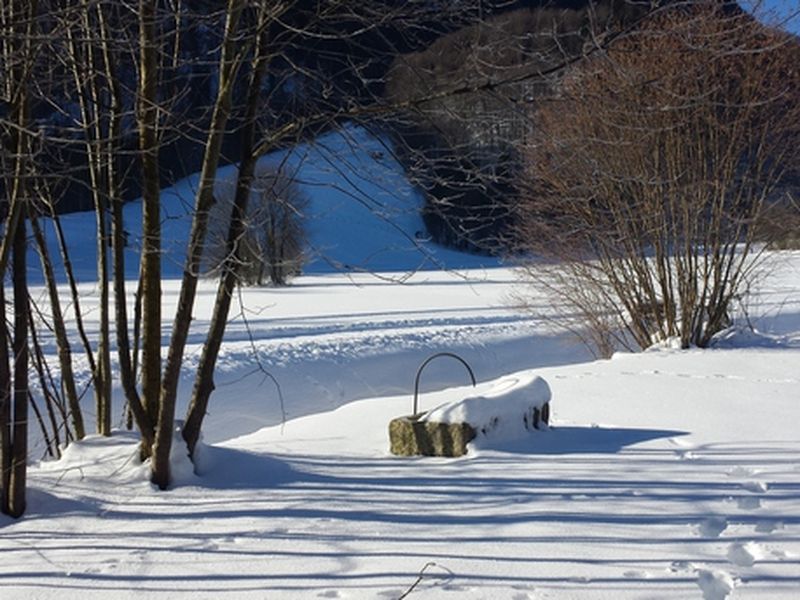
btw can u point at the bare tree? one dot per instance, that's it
(17, 30)
(651, 168)
(271, 246)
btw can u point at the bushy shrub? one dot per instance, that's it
(653, 169)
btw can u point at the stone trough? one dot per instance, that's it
(511, 407)
(412, 436)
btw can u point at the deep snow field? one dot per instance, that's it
(665, 474)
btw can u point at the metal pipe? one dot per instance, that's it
(425, 363)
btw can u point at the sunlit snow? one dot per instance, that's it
(666, 474)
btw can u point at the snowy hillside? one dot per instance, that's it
(363, 214)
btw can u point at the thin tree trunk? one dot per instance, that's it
(147, 115)
(19, 453)
(126, 369)
(62, 341)
(86, 77)
(6, 439)
(19, 54)
(229, 64)
(204, 379)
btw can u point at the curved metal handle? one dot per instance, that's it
(425, 364)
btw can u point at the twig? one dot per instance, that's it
(259, 364)
(420, 577)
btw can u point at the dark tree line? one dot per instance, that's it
(463, 151)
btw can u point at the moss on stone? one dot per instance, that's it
(409, 436)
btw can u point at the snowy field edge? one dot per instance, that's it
(666, 474)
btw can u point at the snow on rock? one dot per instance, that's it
(716, 585)
(509, 409)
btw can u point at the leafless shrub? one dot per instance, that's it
(272, 246)
(653, 166)
(780, 227)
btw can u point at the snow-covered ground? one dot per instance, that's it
(362, 215)
(666, 474)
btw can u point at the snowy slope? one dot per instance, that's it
(363, 214)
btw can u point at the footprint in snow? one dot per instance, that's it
(745, 554)
(712, 527)
(636, 574)
(768, 526)
(455, 588)
(748, 502)
(757, 487)
(681, 443)
(715, 585)
(685, 448)
(682, 566)
(740, 471)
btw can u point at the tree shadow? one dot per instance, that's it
(578, 440)
(222, 468)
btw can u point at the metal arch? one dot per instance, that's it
(425, 364)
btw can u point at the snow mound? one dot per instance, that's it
(745, 337)
(712, 527)
(363, 215)
(99, 457)
(181, 468)
(508, 410)
(745, 554)
(716, 585)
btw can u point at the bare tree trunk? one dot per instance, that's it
(110, 149)
(230, 61)
(87, 83)
(18, 25)
(204, 378)
(147, 115)
(19, 430)
(60, 331)
(6, 439)
(73, 288)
